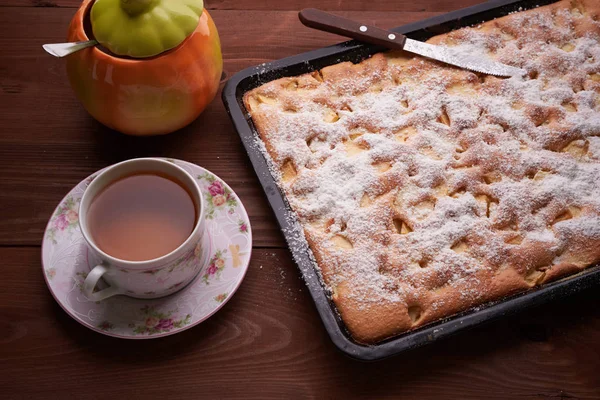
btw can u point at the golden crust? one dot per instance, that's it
(425, 190)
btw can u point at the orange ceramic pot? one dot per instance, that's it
(150, 96)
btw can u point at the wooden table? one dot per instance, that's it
(268, 341)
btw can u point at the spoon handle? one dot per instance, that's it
(64, 49)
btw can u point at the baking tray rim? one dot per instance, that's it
(433, 331)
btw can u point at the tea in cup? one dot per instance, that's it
(144, 218)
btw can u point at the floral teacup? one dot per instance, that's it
(144, 279)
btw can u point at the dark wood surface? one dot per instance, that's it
(268, 341)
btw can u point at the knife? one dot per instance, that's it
(324, 21)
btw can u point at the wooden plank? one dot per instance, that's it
(47, 149)
(348, 5)
(237, 28)
(268, 342)
(29, 195)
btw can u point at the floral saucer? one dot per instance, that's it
(67, 261)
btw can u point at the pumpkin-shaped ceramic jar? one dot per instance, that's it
(146, 96)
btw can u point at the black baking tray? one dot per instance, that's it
(354, 51)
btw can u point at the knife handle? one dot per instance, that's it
(327, 22)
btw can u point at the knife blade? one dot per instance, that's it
(327, 22)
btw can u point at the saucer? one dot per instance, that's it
(66, 262)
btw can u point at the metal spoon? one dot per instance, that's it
(64, 49)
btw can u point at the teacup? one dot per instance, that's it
(152, 278)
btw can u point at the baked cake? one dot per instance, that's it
(424, 190)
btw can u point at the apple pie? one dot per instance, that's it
(424, 190)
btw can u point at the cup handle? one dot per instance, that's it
(90, 283)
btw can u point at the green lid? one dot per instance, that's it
(144, 28)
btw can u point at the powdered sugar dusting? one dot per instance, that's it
(423, 186)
